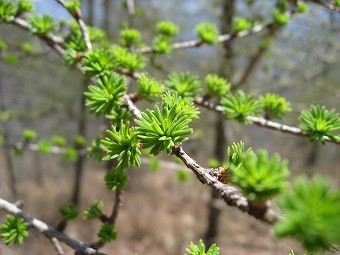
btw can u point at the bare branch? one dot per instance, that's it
(208, 104)
(47, 230)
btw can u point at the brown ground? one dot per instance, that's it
(159, 215)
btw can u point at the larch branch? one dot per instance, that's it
(47, 230)
(198, 42)
(53, 41)
(230, 194)
(262, 122)
(113, 217)
(83, 28)
(116, 207)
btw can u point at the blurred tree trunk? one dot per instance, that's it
(39, 173)
(6, 139)
(131, 11)
(90, 12)
(313, 154)
(108, 7)
(81, 126)
(80, 161)
(228, 10)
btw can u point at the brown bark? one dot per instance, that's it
(6, 136)
(220, 138)
(79, 164)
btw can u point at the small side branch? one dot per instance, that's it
(131, 107)
(57, 246)
(53, 41)
(116, 207)
(262, 122)
(113, 217)
(221, 38)
(83, 28)
(47, 230)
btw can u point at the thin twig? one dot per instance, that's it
(221, 38)
(116, 207)
(26, 26)
(57, 246)
(113, 217)
(83, 28)
(262, 122)
(47, 230)
(53, 41)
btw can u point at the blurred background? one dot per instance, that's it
(164, 208)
